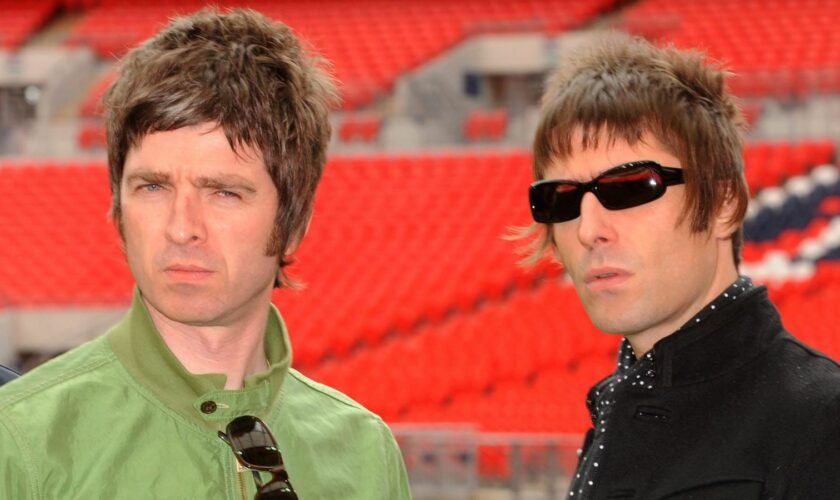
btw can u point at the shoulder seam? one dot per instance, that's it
(107, 357)
(332, 393)
(810, 350)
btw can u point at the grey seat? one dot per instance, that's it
(7, 374)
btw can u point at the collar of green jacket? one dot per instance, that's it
(200, 398)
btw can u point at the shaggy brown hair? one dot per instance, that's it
(621, 87)
(245, 73)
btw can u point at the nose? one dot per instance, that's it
(186, 222)
(595, 226)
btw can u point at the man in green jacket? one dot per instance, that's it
(217, 131)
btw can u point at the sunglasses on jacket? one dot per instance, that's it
(256, 449)
(624, 186)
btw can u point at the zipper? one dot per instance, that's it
(242, 489)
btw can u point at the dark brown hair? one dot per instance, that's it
(621, 87)
(245, 73)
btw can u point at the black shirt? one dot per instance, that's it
(730, 402)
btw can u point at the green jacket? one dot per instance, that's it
(120, 418)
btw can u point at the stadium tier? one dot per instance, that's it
(370, 43)
(525, 364)
(474, 352)
(405, 260)
(775, 47)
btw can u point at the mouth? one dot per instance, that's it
(603, 278)
(187, 272)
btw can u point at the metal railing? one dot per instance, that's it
(458, 462)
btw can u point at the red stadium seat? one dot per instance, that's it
(777, 48)
(370, 45)
(407, 276)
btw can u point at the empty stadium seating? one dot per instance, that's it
(91, 135)
(486, 125)
(396, 241)
(503, 342)
(371, 43)
(363, 128)
(779, 48)
(794, 207)
(418, 237)
(413, 302)
(770, 164)
(18, 20)
(58, 246)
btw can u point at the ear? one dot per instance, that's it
(726, 222)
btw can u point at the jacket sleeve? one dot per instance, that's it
(15, 479)
(815, 472)
(396, 478)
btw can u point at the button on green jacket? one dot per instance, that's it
(120, 418)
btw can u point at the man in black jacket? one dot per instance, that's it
(640, 194)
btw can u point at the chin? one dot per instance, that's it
(185, 304)
(611, 320)
(191, 314)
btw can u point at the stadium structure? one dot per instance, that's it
(414, 303)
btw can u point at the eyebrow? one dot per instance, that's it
(148, 176)
(226, 181)
(216, 182)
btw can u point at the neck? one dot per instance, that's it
(643, 342)
(236, 351)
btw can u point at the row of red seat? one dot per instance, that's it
(771, 163)
(788, 242)
(58, 246)
(408, 279)
(486, 124)
(388, 217)
(778, 47)
(19, 20)
(502, 342)
(364, 128)
(552, 398)
(510, 344)
(92, 135)
(370, 43)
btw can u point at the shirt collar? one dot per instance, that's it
(718, 342)
(144, 354)
(626, 353)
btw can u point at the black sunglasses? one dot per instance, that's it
(256, 449)
(627, 185)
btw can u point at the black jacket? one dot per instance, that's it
(6, 375)
(740, 410)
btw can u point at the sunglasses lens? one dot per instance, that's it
(276, 490)
(555, 202)
(253, 442)
(630, 188)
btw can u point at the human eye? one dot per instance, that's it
(228, 194)
(149, 187)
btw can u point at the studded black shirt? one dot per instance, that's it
(601, 398)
